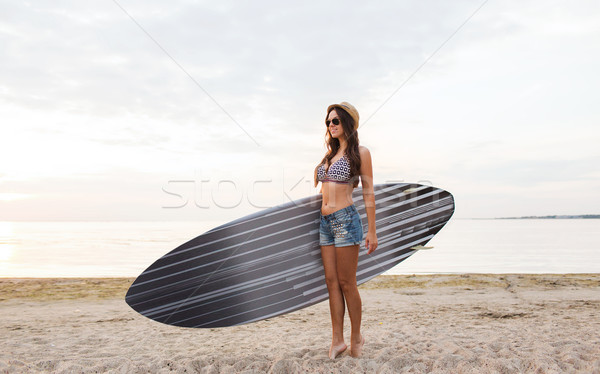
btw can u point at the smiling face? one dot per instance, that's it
(336, 131)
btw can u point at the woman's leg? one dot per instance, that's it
(336, 300)
(346, 264)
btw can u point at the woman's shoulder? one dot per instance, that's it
(363, 151)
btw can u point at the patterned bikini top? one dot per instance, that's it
(339, 171)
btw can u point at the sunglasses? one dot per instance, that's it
(335, 121)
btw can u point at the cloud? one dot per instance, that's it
(106, 65)
(508, 98)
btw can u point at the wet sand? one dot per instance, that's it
(471, 323)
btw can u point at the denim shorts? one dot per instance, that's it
(341, 228)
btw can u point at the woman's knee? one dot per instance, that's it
(332, 281)
(347, 284)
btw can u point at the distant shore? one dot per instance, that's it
(581, 216)
(459, 323)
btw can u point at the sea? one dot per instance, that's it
(125, 249)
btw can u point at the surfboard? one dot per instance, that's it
(269, 263)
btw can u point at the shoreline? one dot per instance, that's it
(100, 288)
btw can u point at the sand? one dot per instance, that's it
(419, 324)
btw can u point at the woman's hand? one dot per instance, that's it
(371, 242)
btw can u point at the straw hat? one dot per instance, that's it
(348, 108)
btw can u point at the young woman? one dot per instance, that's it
(341, 231)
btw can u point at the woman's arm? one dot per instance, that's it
(366, 179)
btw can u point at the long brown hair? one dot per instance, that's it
(333, 145)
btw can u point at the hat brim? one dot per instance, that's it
(332, 106)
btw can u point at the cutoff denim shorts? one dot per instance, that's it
(341, 228)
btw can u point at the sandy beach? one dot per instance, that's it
(468, 323)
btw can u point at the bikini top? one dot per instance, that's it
(339, 171)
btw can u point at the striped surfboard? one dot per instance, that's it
(269, 263)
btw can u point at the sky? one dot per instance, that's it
(203, 110)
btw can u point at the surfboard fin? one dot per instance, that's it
(420, 247)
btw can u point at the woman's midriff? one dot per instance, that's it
(336, 196)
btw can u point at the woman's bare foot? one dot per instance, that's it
(356, 348)
(335, 350)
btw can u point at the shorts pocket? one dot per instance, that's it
(346, 218)
(357, 227)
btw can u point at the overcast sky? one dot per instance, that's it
(184, 110)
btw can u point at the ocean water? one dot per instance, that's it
(125, 249)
